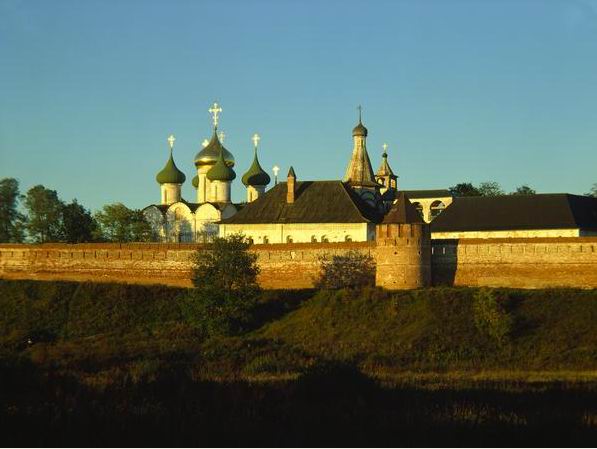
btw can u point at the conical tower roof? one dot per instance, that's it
(402, 212)
(221, 171)
(170, 174)
(359, 172)
(255, 175)
(384, 168)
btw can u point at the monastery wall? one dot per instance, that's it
(282, 266)
(516, 262)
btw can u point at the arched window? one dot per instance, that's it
(437, 207)
(289, 239)
(178, 214)
(419, 207)
(265, 240)
(313, 239)
(347, 238)
(324, 239)
(250, 240)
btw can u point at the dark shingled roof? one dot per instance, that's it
(510, 212)
(427, 193)
(402, 211)
(315, 202)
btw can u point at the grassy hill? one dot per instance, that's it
(116, 362)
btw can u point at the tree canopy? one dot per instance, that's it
(78, 224)
(44, 210)
(118, 223)
(11, 220)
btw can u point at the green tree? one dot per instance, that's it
(490, 188)
(524, 190)
(226, 290)
(353, 269)
(78, 224)
(11, 220)
(118, 223)
(464, 189)
(593, 191)
(44, 210)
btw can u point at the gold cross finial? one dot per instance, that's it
(360, 108)
(171, 140)
(222, 136)
(255, 139)
(215, 110)
(385, 147)
(205, 143)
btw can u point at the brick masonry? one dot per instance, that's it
(524, 262)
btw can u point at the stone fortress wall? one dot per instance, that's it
(520, 262)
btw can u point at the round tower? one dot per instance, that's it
(170, 179)
(403, 248)
(255, 179)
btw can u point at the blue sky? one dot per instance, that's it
(460, 90)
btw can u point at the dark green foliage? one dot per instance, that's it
(524, 190)
(11, 220)
(118, 223)
(226, 289)
(464, 189)
(351, 270)
(44, 211)
(593, 191)
(490, 188)
(490, 317)
(78, 224)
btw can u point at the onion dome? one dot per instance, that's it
(255, 175)
(170, 174)
(195, 182)
(221, 171)
(210, 154)
(359, 130)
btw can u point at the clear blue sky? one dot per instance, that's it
(460, 90)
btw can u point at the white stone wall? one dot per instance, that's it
(301, 232)
(507, 234)
(170, 193)
(254, 192)
(427, 202)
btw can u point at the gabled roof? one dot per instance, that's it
(315, 202)
(510, 212)
(402, 211)
(438, 193)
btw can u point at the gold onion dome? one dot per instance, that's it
(170, 174)
(359, 130)
(210, 154)
(221, 171)
(255, 175)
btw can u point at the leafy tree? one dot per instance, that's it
(118, 223)
(44, 209)
(490, 317)
(524, 190)
(225, 277)
(490, 188)
(11, 220)
(353, 269)
(593, 191)
(464, 189)
(78, 224)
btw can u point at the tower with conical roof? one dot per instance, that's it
(255, 179)
(170, 178)
(207, 158)
(385, 177)
(359, 174)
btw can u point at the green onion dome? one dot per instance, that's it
(195, 182)
(221, 171)
(209, 155)
(170, 174)
(359, 130)
(255, 175)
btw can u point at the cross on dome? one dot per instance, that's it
(385, 147)
(255, 139)
(205, 143)
(171, 140)
(360, 108)
(222, 136)
(215, 110)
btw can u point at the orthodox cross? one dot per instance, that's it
(255, 139)
(171, 140)
(222, 136)
(360, 110)
(275, 169)
(215, 110)
(385, 147)
(205, 143)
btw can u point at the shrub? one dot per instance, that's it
(353, 269)
(490, 317)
